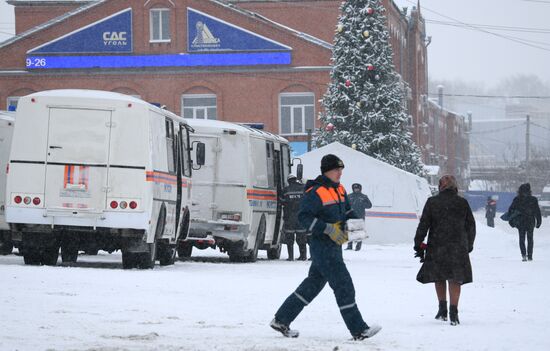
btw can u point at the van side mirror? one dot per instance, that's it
(201, 154)
(299, 171)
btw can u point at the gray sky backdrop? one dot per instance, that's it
(456, 52)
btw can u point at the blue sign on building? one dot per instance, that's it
(109, 35)
(208, 33)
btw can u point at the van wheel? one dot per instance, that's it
(146, 260)
(166, 254)
(32, 257)
(69, 253)
(260, 235)
(274, 253)
(129, 260)
(6, 248)
(185, 248)
(50, 255)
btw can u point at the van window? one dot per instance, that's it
(170, 146)
(286, 161)
(270, 162)
(184, 142)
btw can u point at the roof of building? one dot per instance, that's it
(89, 4)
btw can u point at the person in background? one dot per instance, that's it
(292, 196)
(448, 222)
(529, 217)
(491, 211)
(359, 202)
(324, 211)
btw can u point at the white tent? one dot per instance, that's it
(397, 197)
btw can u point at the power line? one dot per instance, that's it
(495, 96)
(507, 37)
(498, 129)
(492, 27)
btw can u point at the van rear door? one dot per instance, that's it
(77, 159)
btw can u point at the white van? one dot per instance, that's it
(236, 193)
(97, 170)
(544, 201)
(7, 120)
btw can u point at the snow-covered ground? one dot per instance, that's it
(209, 304)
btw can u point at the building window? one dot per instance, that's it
(159, 25)
(297, 113)
(199, 106)
(12, 103)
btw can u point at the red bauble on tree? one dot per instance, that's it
(348, 83)
(329, 127)
(370, 67)
(370, 10)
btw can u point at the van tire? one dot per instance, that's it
(50, 256)
(274, 253)
(146, 260)
(185, 248)
(129, 260)
(6, 248)
(32, 257)
(69, 253)
(166, 254)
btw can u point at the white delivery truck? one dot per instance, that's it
(98, 170)
(544, 201)
(236, 194)
(6, 130)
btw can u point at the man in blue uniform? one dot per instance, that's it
(324, 211)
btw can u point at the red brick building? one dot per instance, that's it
(241, 60)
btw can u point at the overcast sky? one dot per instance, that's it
(455, 52)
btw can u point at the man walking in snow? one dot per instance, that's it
(292, 196)
(528, 217)
(359, 203)
(324, 211)
(491, 211)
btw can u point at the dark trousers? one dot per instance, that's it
(523, 232)
(301, 236)
(491, 222)
(326, 267)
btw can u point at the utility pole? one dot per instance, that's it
(527, 145)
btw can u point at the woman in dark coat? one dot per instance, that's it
(451, 226)
(528, 216)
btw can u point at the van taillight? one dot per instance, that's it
(17, 199)
(27, 200)
(36, 201)
(114, 204)
(133, 205)
(123, 205)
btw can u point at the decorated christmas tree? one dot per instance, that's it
(364, 101)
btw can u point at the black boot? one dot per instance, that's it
(290, 249)
(358, 246)
(442, 313)
(350, 246)
(303, 252)
(454, 315)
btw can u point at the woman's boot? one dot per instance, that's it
(442, 313)
(454, 315)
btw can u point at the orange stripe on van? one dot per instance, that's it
(164, 178)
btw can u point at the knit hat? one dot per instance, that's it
(448, 182)
(330, 162)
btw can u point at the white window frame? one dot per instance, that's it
(151, 39)
(11, 99)
(292, 113)
(195, 108)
